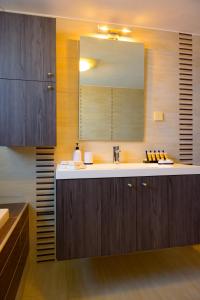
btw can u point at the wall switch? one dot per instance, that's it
(158, 116)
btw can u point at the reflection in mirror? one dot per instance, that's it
(111, 101)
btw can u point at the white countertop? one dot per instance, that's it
(125, 170)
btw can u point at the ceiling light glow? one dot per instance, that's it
(113, 33)
(126, 30)
(103, 28)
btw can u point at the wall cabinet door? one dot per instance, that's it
(184, 210)
(152, 213)
(27, 47)
(27, 114)
(78, 218)
(118, 216)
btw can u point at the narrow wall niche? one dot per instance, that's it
(45, 204)
(185, 98)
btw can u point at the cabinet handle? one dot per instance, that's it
(50, 88)
(130, 185)
(50, 74)
(144, 184)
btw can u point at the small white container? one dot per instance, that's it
(77, 154)
(88, 158)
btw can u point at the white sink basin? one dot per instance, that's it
(125, 170)
(4, 216)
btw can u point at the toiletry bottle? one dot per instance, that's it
(157, 156)
(162, 155)
(77, 153)
(147, 156)
(150, 156)
(165, 155)
(154, 156)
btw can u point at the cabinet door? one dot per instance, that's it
(184, 210)
(78, 218)
(118, 216)
(152, 213)
(27, 47)
(27, 114)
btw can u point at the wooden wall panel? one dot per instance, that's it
(45, 204)
(186, 118)
(196, 101)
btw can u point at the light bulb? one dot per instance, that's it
(103, 28)
(126, 30)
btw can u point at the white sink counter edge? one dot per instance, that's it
(126, 170)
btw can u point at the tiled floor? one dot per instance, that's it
(170, 274)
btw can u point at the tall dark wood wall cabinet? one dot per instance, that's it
(27, 80)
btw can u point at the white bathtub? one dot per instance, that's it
(4, 216)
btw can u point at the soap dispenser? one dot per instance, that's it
(77, 153)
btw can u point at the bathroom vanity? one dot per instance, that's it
(118, 209)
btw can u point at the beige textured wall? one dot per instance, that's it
(161, 94)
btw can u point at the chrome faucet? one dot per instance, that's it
(116, 152)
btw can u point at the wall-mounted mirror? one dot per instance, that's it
(111, 97)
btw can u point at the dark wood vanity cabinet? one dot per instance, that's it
(27, 80)
(97, 217)
(78, 213)
(118, 215)
(184, 210)
(152, 213)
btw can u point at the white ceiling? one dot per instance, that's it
(174, 15)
